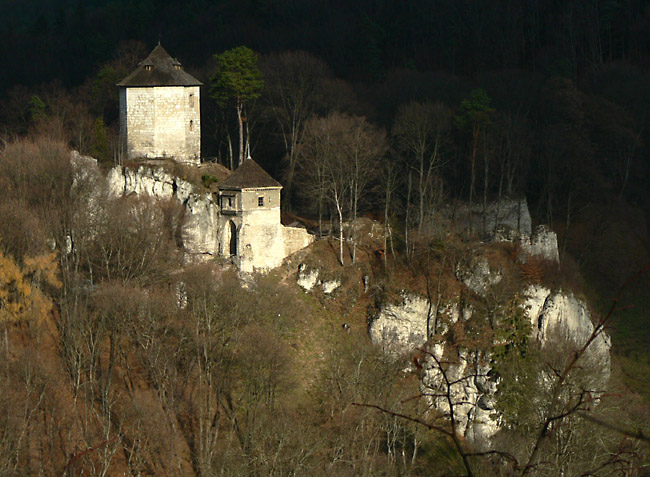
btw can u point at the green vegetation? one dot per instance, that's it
(237, 80)
(208, 180)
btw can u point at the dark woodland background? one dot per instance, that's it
(572, 74)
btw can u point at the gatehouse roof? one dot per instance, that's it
(249, 175)
(159, 69)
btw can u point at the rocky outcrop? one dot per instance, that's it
(199, 231)
(477, 275)
(542, 244)
(308, 279)
(510, 213)
(560, 323)
(471, 389)
(402, 327)
(405, 327)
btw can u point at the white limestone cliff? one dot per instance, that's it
(560, 322)
(401, 327)
(199, 231)
(542, 244)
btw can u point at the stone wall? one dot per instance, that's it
(161, 122)
(262, 244)
(296, 238)
(262, 241)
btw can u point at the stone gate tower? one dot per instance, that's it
(160, 114)
(251, 232)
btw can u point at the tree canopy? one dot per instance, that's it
(237, 76)
(237, 79)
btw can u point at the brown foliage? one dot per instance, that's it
(532, 270)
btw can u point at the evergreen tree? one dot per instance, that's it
(238, 80)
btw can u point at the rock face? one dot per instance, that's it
(560, 323)
(199, 232)
(308, 279)
(477, 275)
(542, 244)
(472, 390)
(401, 328)
(510, 213)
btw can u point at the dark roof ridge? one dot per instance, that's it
(159, 69)
(249, 175)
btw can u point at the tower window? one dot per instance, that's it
(191, 100)
(147, 67)
(191, 125)
(260, 201)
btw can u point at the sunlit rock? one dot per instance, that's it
(307, 279)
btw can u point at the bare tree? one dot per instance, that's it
(294, 91)
(420, 131)
(338, 159)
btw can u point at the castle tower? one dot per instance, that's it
(249, 218)
(160, 114)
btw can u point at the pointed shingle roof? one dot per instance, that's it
(249, 175)
(159, 69)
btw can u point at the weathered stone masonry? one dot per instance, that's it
(160, 112)
(160, 118)
(250, 229)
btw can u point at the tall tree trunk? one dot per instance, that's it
(406, 219)
(486, 166)
(230, 153)
(499, 195)
(247, 145)
(473, 176)
(422, 192)
(337, 201)
(386, 213)
(241, 132)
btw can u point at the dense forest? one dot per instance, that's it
(118, 358)
(567, 81)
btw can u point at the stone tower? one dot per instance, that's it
(250, 230)
(160, 114)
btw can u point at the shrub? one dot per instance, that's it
(209, 179)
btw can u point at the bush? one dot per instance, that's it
(209, 179)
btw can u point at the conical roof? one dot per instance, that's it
(249, 175)
(159, 69)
